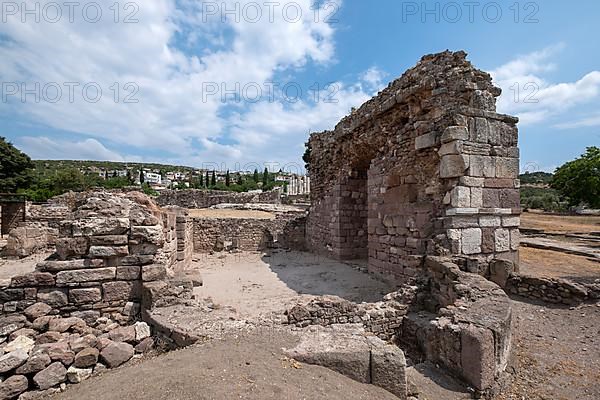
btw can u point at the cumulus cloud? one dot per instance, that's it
(164, 63)
(532, 97)
(42, 147)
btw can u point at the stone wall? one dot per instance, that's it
(12, 213)
(208, 198)
(78, 313)
(383, 319)
(425, 168)
(552, 290)
(106, 250)
(454, 318)
(246, 234)
(37, 232)
(463, 322)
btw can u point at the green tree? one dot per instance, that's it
(265, 178)
(213, 179)
(15, 168)
(201, 181)
(240, 179)
(142, 176)
(578, 181)
(207, 179)
(256, 175)
(227, 179)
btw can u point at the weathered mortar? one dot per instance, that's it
(425, 168)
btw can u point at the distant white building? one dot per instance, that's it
(152, 178)
(298, 185)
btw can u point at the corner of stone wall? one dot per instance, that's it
(109, 247)
(469, 331)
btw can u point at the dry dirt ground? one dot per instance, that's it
(246, 367)
(560, 223)
(556, 353)
(10, 268)
(553, 264)
(255, 283)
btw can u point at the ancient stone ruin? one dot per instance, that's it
(425, 168)
(421, 182)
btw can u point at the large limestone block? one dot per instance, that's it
(388, 368)
(471, 240)
(453, 165)
(348, 354)
(85, 275)
(478, 356)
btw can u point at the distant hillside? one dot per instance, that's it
(56, 165)
(535, 178)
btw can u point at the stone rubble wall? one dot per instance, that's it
(194, 198)
(246, 234)
(383, 319)
(455, 318)
(427, 167)
(552, 290)
(464, 323)
(78, 313)
(105, 251)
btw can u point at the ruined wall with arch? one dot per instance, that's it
(427, 167)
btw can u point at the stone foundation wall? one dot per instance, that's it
(464, 323)
(109, 247)
(552, 290)
(208, 198)
(425, 168)
(38, 232)
(383, 319)
(247, 234)
(241, 234)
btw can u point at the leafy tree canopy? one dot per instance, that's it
(15, 168)
(578, 181)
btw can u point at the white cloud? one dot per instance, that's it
(374, 77)
(171, 53)
(586, 122)
(526, 93)
(42, 147)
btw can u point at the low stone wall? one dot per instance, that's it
(109, 247)
(208, 198)
(552, 290)
(382, 318)
(247, 234)
(79, 312)
(465, 324)
(293, 236)
(454, 318)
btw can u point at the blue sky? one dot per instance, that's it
(178, 59)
